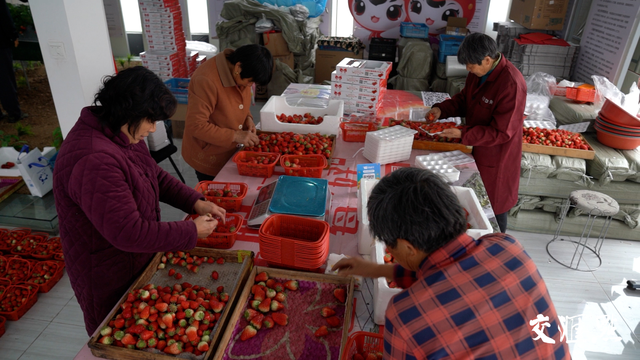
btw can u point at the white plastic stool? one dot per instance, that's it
(596, 205)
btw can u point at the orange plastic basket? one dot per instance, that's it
(25, 246)
(39, 236)
(258, 169)
(32, 297)
(363, 343)
(581, 94)
(16, 276)
(43, 252)
(224, 240)
(356, 131)
(59, 256)
(228, 203)
(306, 165)
(48, 283)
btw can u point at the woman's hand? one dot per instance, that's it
(246, 138)
(452, 133)
(361, 267)
(433, 114)
(205, 225)
(207, 207)
(249, 125)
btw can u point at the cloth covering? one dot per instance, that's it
(536, 166)
(571, 169)
(414, 68)
(568, 112)
(625, 192)
(493, 127)
(608, 165)
(107, 193)
(633, 157)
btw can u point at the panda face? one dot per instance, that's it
(377, 15)
(433, 13)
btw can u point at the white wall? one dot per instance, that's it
(498, 11)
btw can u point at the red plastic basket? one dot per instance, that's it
(59, 256)
(3, 265)
(356, 131)
(43, 252)
(222, 240)
(17, 276)
(2, 321)
(25, 246)
(31, 298)
(581, 94)
(363, 343)
(257, 169)
(40, 236)
(228, 203)
(47, 284)
(306, 165)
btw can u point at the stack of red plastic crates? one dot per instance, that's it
(294, 242)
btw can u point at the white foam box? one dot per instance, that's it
(365, 240)
(278, 105)
(358, 80)
(478, 220)
(367, 68)
(340, 87)
(9, 154)
(382, 293)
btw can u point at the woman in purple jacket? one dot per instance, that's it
(107, 190)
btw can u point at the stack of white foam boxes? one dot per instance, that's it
(361, 84)
(162, 25)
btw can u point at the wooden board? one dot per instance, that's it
(8, 185)
(333, 147)
(236, 256)
(295, 275)
(441, 146)
(553, 150)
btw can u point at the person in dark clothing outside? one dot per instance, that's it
(8, 85)
(492, 101)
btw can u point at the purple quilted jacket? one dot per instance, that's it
(107, 195)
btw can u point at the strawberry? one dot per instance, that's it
(278, 287)
(152, 342)
(280, 297)
(250, 314)
(268, 322)
(215, 275)
(333, 321)
(118, 335)
(371, 356)
(119, 323)
(220, 289)
(203, 346)
(263, 276)
(167, 319)
(322, 331)
(358, 357)
(327, 312)
(259, 295)
(248, 333)
(146, 335)
(291, 285)
(192, 333)
(265, 305)
(174, 349)
(106, 340)
(106, 331)
(178, 276)
(211, 260)
(270, 283)
(255, 288)
(256, 321)
(271, 293)
(340, 294)
(141, 344)
(255, 304)
(280, 318)
(171, 272)
(224, 297)
(216, 306)
(128, 339)
(388, 258)
(275, 305)
(220, 260)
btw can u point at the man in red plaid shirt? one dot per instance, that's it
(463, 298)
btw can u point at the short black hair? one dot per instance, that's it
(418, 206)
(131, 96)
(256, 62)
(475, 47)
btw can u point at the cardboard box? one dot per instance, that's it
(276, 44)
(457, 26)
(539, 14)
(358, 80)
(287, 59)
(365, 68)
(359, 89)
(326, 61)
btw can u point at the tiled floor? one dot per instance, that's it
(607, 314)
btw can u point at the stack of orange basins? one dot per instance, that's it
(294, 242)
(617, 128)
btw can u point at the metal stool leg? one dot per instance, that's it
(582, 243)
(177, 171)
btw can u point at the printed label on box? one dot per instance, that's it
(368, 172)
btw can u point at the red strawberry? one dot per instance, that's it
(178, 276)
(215, 275)
(248, 333)
(106, 340)
(192, 333)
(174, 349)
(210, 260)
(167, 319)
(271, 293)
(388, 258)
(340, 294)
(220, 289)
(224, 297)
(275, 305)
(216, 306)
(263, 276)
(259, 295)
(280, 297)
(171, 272)
(278, 287)
(141, 344)
(280, 318)
(255, 288)
(256, 322)
(152, 342)
(268, 322)
(270, 283)
(322, 331)
(128, 339)
(265, 305)
(333, 321)
(161, 307)
(255, 304)
(291, 285)
(146, 335)
(220, 260)
(327, 312)
(203, 346)
(250, 314)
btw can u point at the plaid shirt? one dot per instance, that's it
(473, 299)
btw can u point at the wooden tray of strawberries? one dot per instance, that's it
(180, 305)
(289, 314)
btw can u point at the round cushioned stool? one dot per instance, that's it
(596, 205)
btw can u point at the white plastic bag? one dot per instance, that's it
(605, 89)
(630, 101)
(264, 25)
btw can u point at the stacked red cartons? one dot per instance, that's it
(361, 84)
(192, 62)
(162, 24)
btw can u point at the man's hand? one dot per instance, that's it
(16, 43)
(249, 125)
(452, 133)
(361, 267)
(205, 225)
(246, 138)
(433, 114)
(207, 207)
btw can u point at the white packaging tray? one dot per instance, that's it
(441, 167)
(277, 105)
(365, 240)
(382, 293)
(389, 145)
(454, 158)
